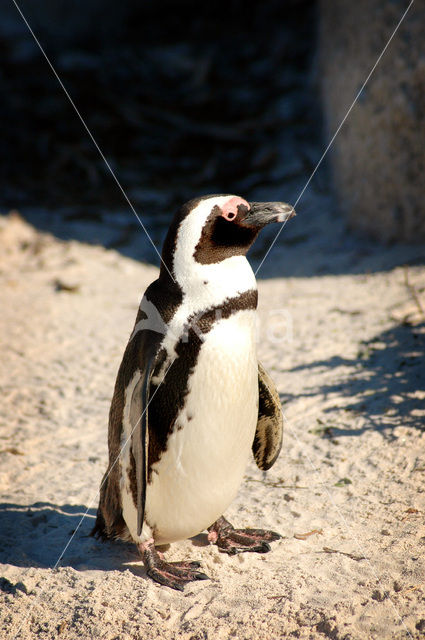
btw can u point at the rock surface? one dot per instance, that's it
(378, 157)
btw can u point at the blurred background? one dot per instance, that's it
(226, 97)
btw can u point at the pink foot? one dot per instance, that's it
(232, 540)
(172, 574)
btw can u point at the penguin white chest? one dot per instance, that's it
(200, 472)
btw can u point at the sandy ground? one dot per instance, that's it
(347, 353)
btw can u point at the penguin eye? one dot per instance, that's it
(229, 215)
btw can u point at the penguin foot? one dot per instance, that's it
(232, 540)
(171, 574)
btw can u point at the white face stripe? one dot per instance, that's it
(189, 234)
(209, 284)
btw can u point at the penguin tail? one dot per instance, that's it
(117, 530)
(110, 523)
(99, 530)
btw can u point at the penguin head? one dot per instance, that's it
(211, 229)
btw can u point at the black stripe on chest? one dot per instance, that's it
(170, 396)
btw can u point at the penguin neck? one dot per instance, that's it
(209, 285)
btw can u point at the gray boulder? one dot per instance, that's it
(378, 158)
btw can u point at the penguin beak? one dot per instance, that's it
(262, 213)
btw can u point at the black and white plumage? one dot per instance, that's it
(191, 400)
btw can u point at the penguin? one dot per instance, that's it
(191, 401)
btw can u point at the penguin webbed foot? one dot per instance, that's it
(232, 541)
(171, 574)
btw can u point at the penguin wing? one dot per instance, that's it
(268, 435)
(139, 357)
(139, 404)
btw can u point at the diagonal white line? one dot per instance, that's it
(90, 135)
(337, 131)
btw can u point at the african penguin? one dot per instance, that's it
(191, 399)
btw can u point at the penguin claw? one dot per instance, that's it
(166, 580)
(167, 575)
(233, 549)
(171, 574)
(232, 541)
(261, 534)
(200, 575)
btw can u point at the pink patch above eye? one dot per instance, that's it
(230, 208)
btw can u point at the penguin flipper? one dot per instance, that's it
(268, 435)
(140, 435)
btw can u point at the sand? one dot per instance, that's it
(347, 492)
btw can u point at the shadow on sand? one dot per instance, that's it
(387, 383)
(37, 535)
